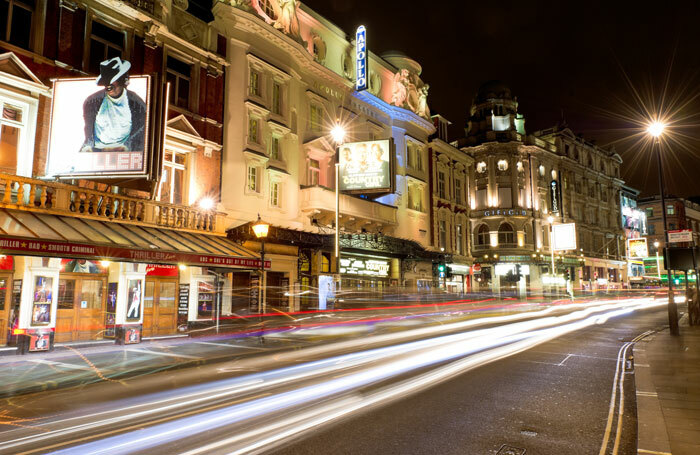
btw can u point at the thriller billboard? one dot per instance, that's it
(100, 126)
(366, 167)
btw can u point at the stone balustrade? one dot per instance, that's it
(25, 193)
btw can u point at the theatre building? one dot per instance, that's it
(110, 229)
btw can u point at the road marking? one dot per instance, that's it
(643, 365)
(647, 394)
(167, 354)
(229, 345)
(61, 364)
(653, 452)
(565, 359)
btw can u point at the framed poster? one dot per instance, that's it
(132, 335)
(366, 167)
(39, 341)
(42, 299)
(134, 298)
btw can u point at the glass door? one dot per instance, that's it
(90, 309)
(5, 303)
(148, 301)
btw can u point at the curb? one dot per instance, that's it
(652, 436)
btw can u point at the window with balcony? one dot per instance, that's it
(441, 185)
(443, 235)
(178, 75)
(483, 236)
(105, 43)
(314, 173)
(16, 21)
(172, 185)
(506, 234)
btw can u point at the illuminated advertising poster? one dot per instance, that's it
(133, 308)
(637, 248)
(564, 236)
(366, 167)
(42, 298)
(100, 126)
(365, 266)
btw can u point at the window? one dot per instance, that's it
(16, 17)
(650, 212)
(670, 210)
(267, 8)
(458, 191)
(254, 83)
(441, 184)
(275, 148)
(415, 197)
(325, 262)
(314, 172)
(316, 117)
(105, 43)
(12, 126)
(519, 166)
(458, 239)
(275, 194)
(506, 235)
(252, 179)
(178, 74)
(253, 124)
(541, 170)
(172, 185)
(481, 167)
(419, 159)
(443, 235)
(651, 229)
(483, 236)
(414, 159)
(276, 99)
(671, 226)
(502, 165)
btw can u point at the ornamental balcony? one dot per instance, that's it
(318, 203)
(23, 193)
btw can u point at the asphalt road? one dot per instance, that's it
(551, 399)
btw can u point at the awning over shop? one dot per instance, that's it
(41, 234)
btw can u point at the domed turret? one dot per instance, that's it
(494, 115)
(492, 90)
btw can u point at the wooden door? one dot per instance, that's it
(166, 308)
(65, 316)
(91, 309)
(148, 308)
(5, 304)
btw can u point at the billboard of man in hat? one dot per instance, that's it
(115, 117)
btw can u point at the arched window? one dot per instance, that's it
(482, 235)
(506, 234)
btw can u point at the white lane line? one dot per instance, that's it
(61, 364)
(653, 452)
(167, 354)
(229, 345)
(565, 359)
(647, 394)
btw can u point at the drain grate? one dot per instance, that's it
(510, 450)
(526, 432)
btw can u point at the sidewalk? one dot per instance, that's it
(667, 378)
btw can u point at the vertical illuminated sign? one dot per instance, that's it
(361, 58)
(554, 195)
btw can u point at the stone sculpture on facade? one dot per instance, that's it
(287, 20)
(410, 93)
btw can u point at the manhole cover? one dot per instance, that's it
(510, 450)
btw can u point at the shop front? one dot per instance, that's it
(56, 285)
(366, 276)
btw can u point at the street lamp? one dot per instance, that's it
(656, 129)
(261, 228)
(658, 263)
(338, 135)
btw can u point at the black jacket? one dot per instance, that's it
(137, 138)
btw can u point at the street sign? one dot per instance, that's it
(476, 268)
(564, 236)
(681, 235)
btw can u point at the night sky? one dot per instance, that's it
(583, 61)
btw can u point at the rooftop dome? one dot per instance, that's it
(493, 90)
(402, 61)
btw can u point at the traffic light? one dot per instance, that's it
(518, 273)
(567, 274)
(441, 267)
(448, 272)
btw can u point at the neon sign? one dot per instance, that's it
(361, 58)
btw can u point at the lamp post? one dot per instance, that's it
(260, 228)
(658, 263)
(338, 135)
(550, 218)
(656, 129)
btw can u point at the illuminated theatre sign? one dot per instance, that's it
(100, 126)
(366, 167)
(505, 212)
(361, 58)
(365, 266)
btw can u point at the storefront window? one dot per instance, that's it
(325, 263)
(66, 293)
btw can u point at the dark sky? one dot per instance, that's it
(580, 58)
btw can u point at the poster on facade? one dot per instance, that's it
(100, 126)
(564, 237)
(133, 308)
(81, 266)
(39, 341)
(366, 167)
(42, 298)
(637, 248)
(326, 291)
(111, 311)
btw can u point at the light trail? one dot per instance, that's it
(463, 351)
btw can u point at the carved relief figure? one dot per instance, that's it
(423, 109)
(287, 20)
(409, 95)
(398, 96)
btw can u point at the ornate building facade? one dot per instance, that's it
(519, 182)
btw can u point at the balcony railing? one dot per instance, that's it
(323, 199)
(58, 198)
(143, 5)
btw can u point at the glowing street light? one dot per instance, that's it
(656, 129)
(206, 203)
(261, 228)
(338, 134)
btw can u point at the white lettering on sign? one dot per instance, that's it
(365, 266)
(510, 212)
(361, 58)
(683, 235)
